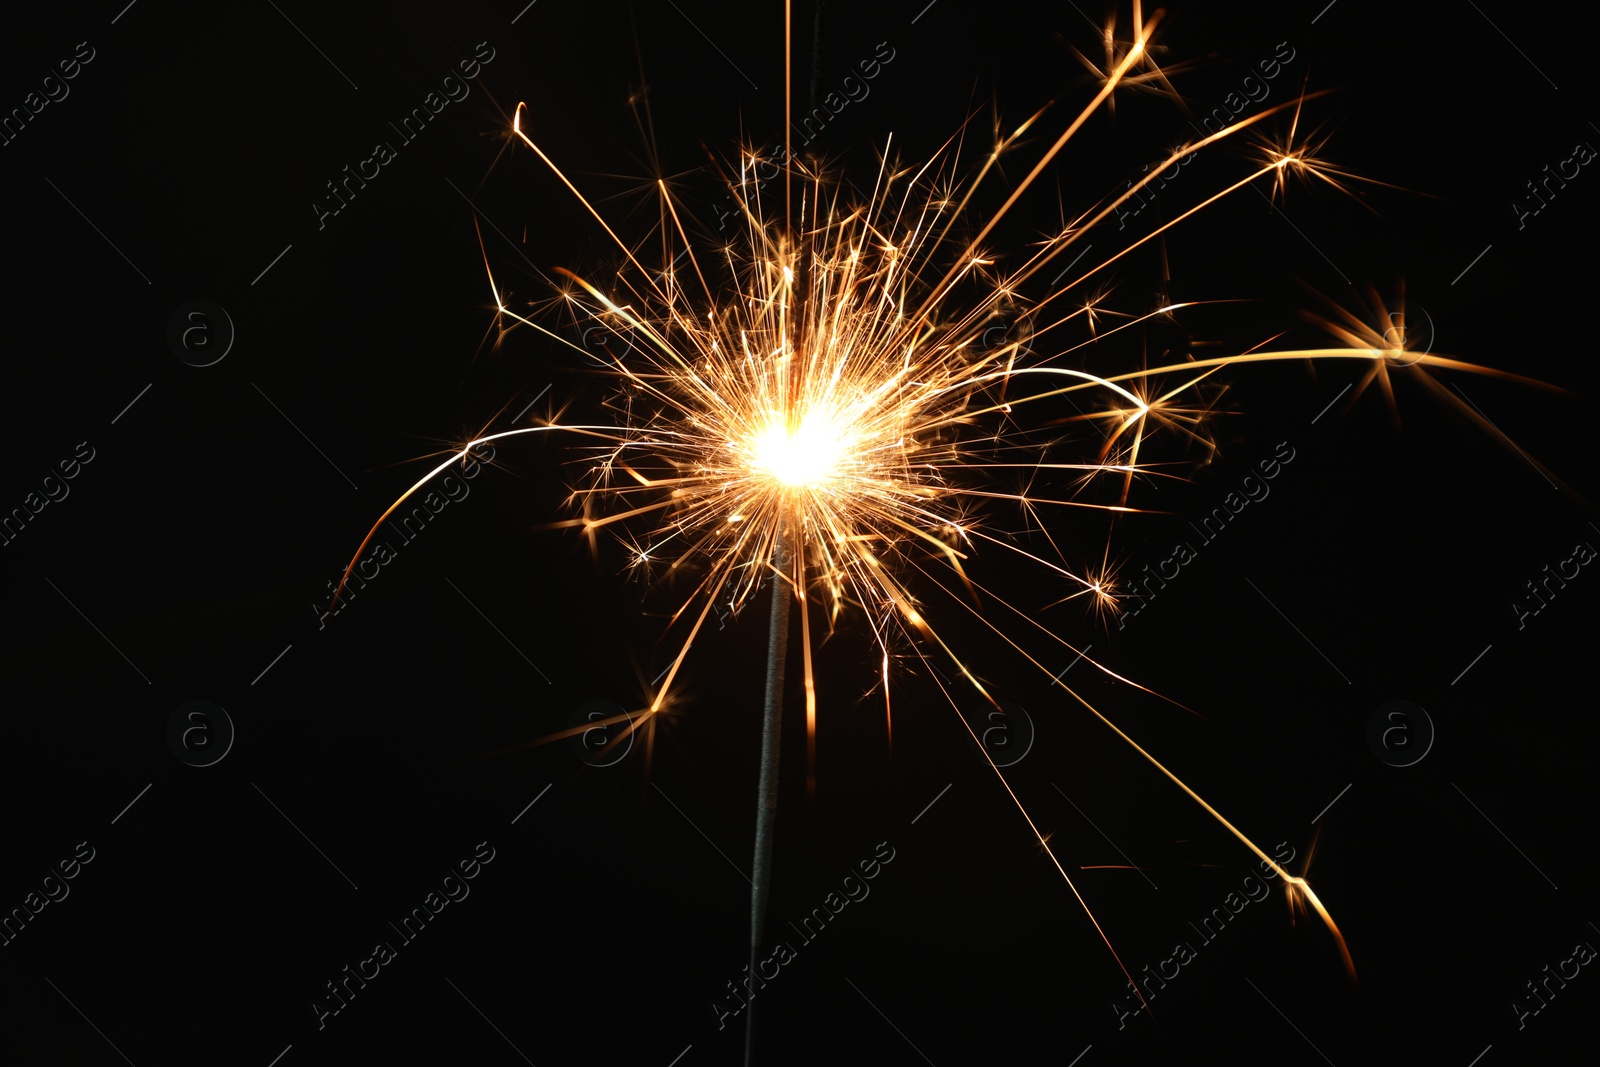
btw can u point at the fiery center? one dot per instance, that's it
(800, 456)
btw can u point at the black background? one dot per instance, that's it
(192, 556)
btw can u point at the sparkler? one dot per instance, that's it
(812, 406)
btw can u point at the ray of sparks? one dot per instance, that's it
(813, 402)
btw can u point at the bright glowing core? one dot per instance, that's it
(807, 455)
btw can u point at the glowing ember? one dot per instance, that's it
(805, 457)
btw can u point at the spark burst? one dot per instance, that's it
(812, 405)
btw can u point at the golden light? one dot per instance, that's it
(806, 456)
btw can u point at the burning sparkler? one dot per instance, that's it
(813, 407)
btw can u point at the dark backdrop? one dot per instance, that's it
(188, 559)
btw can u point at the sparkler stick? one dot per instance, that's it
(767, 791)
